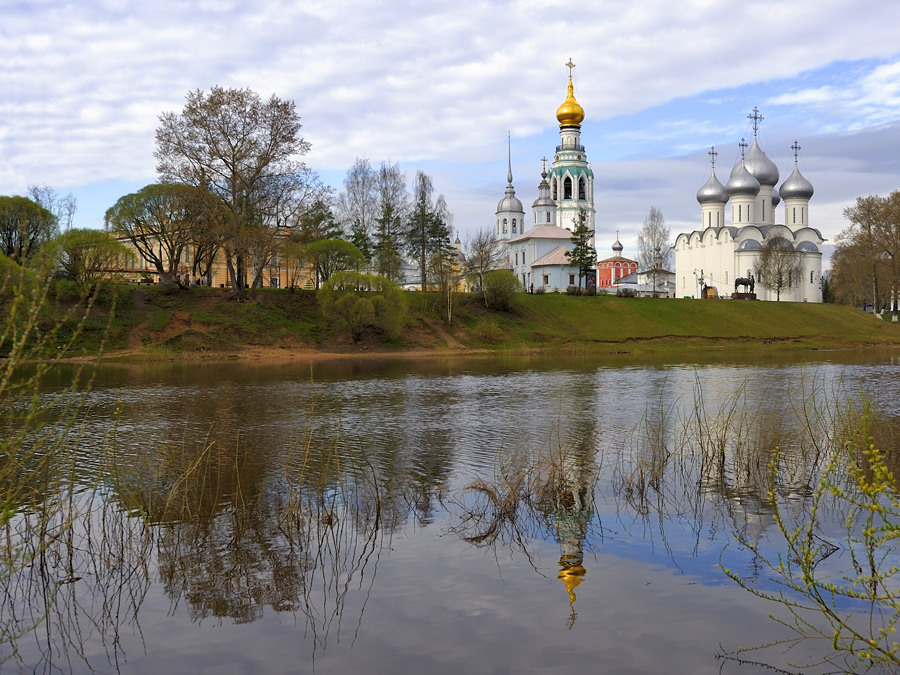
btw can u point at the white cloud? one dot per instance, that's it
(436, 83)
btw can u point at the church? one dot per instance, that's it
(537, 255)
(710, 260)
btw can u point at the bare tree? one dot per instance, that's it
(358, 206)
(481, 254)
(654, 236)
(874, 236)
(779, 266)
(242, 149)
(62, 207)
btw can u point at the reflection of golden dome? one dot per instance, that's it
(571, 576)
(570, 114)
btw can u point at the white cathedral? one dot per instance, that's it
(537, 255)
(710, 259)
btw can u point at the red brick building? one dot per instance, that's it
(609, 271)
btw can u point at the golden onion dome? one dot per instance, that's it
(570, 114)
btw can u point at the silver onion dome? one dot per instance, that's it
(712, 192)
(776, 198)
(796, 186)
(742, 182)
(510, 203)
(759, 165)
(617, 247)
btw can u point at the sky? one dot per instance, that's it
(441, 86)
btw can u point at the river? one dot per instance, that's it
(493, 515)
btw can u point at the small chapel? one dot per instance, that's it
(537, 254)
(712, 259)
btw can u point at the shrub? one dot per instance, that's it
(572, 290)
(500, 288)
(357, 302)
(626, 293)
(540, 290)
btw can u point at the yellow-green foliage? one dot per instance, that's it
(358, 302)
(851, 602)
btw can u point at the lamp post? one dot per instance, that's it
(698, 279)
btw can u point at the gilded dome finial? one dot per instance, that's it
(570, 114)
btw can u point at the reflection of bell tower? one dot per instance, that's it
(574, 511)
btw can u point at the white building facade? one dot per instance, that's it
(709, 260)
(537, 255)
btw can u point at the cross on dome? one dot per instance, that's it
(570, 65)
(796, 148)
(712, 156)
(757, 118)
(743, 146)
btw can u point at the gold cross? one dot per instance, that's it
(570, 65)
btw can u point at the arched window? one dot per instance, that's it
(548, 216)
(581, 188)
(504, 226)
(554, 188)
(567, 188)
(514, 226)
(517, 257)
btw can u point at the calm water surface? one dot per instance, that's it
(319, 518)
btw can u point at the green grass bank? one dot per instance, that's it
(156, 322)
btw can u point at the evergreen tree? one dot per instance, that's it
(583, 254)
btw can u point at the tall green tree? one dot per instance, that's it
(583, 254)
(329, 256)
(159, 220)
(388, 236)
(24, 227)
(873, 241)
(244, 150)
(428, 225)
(86, 256)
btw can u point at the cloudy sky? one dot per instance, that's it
(438, 85)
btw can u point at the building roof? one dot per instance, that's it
(617, 259)
(544, 232)
(556, 257)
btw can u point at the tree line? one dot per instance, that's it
(233, 187)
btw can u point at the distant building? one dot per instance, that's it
(611, 270)
(709, 260)
(537, 255)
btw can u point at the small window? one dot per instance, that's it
(571, 280)
(504, 226)
(548, 216)
(581, 189)
(554, 188)
(810, 276)
(517, 257)
(567, 188)
(794, 214)
(514, 226)
(546, 280)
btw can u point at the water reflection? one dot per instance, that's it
(243, 492)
